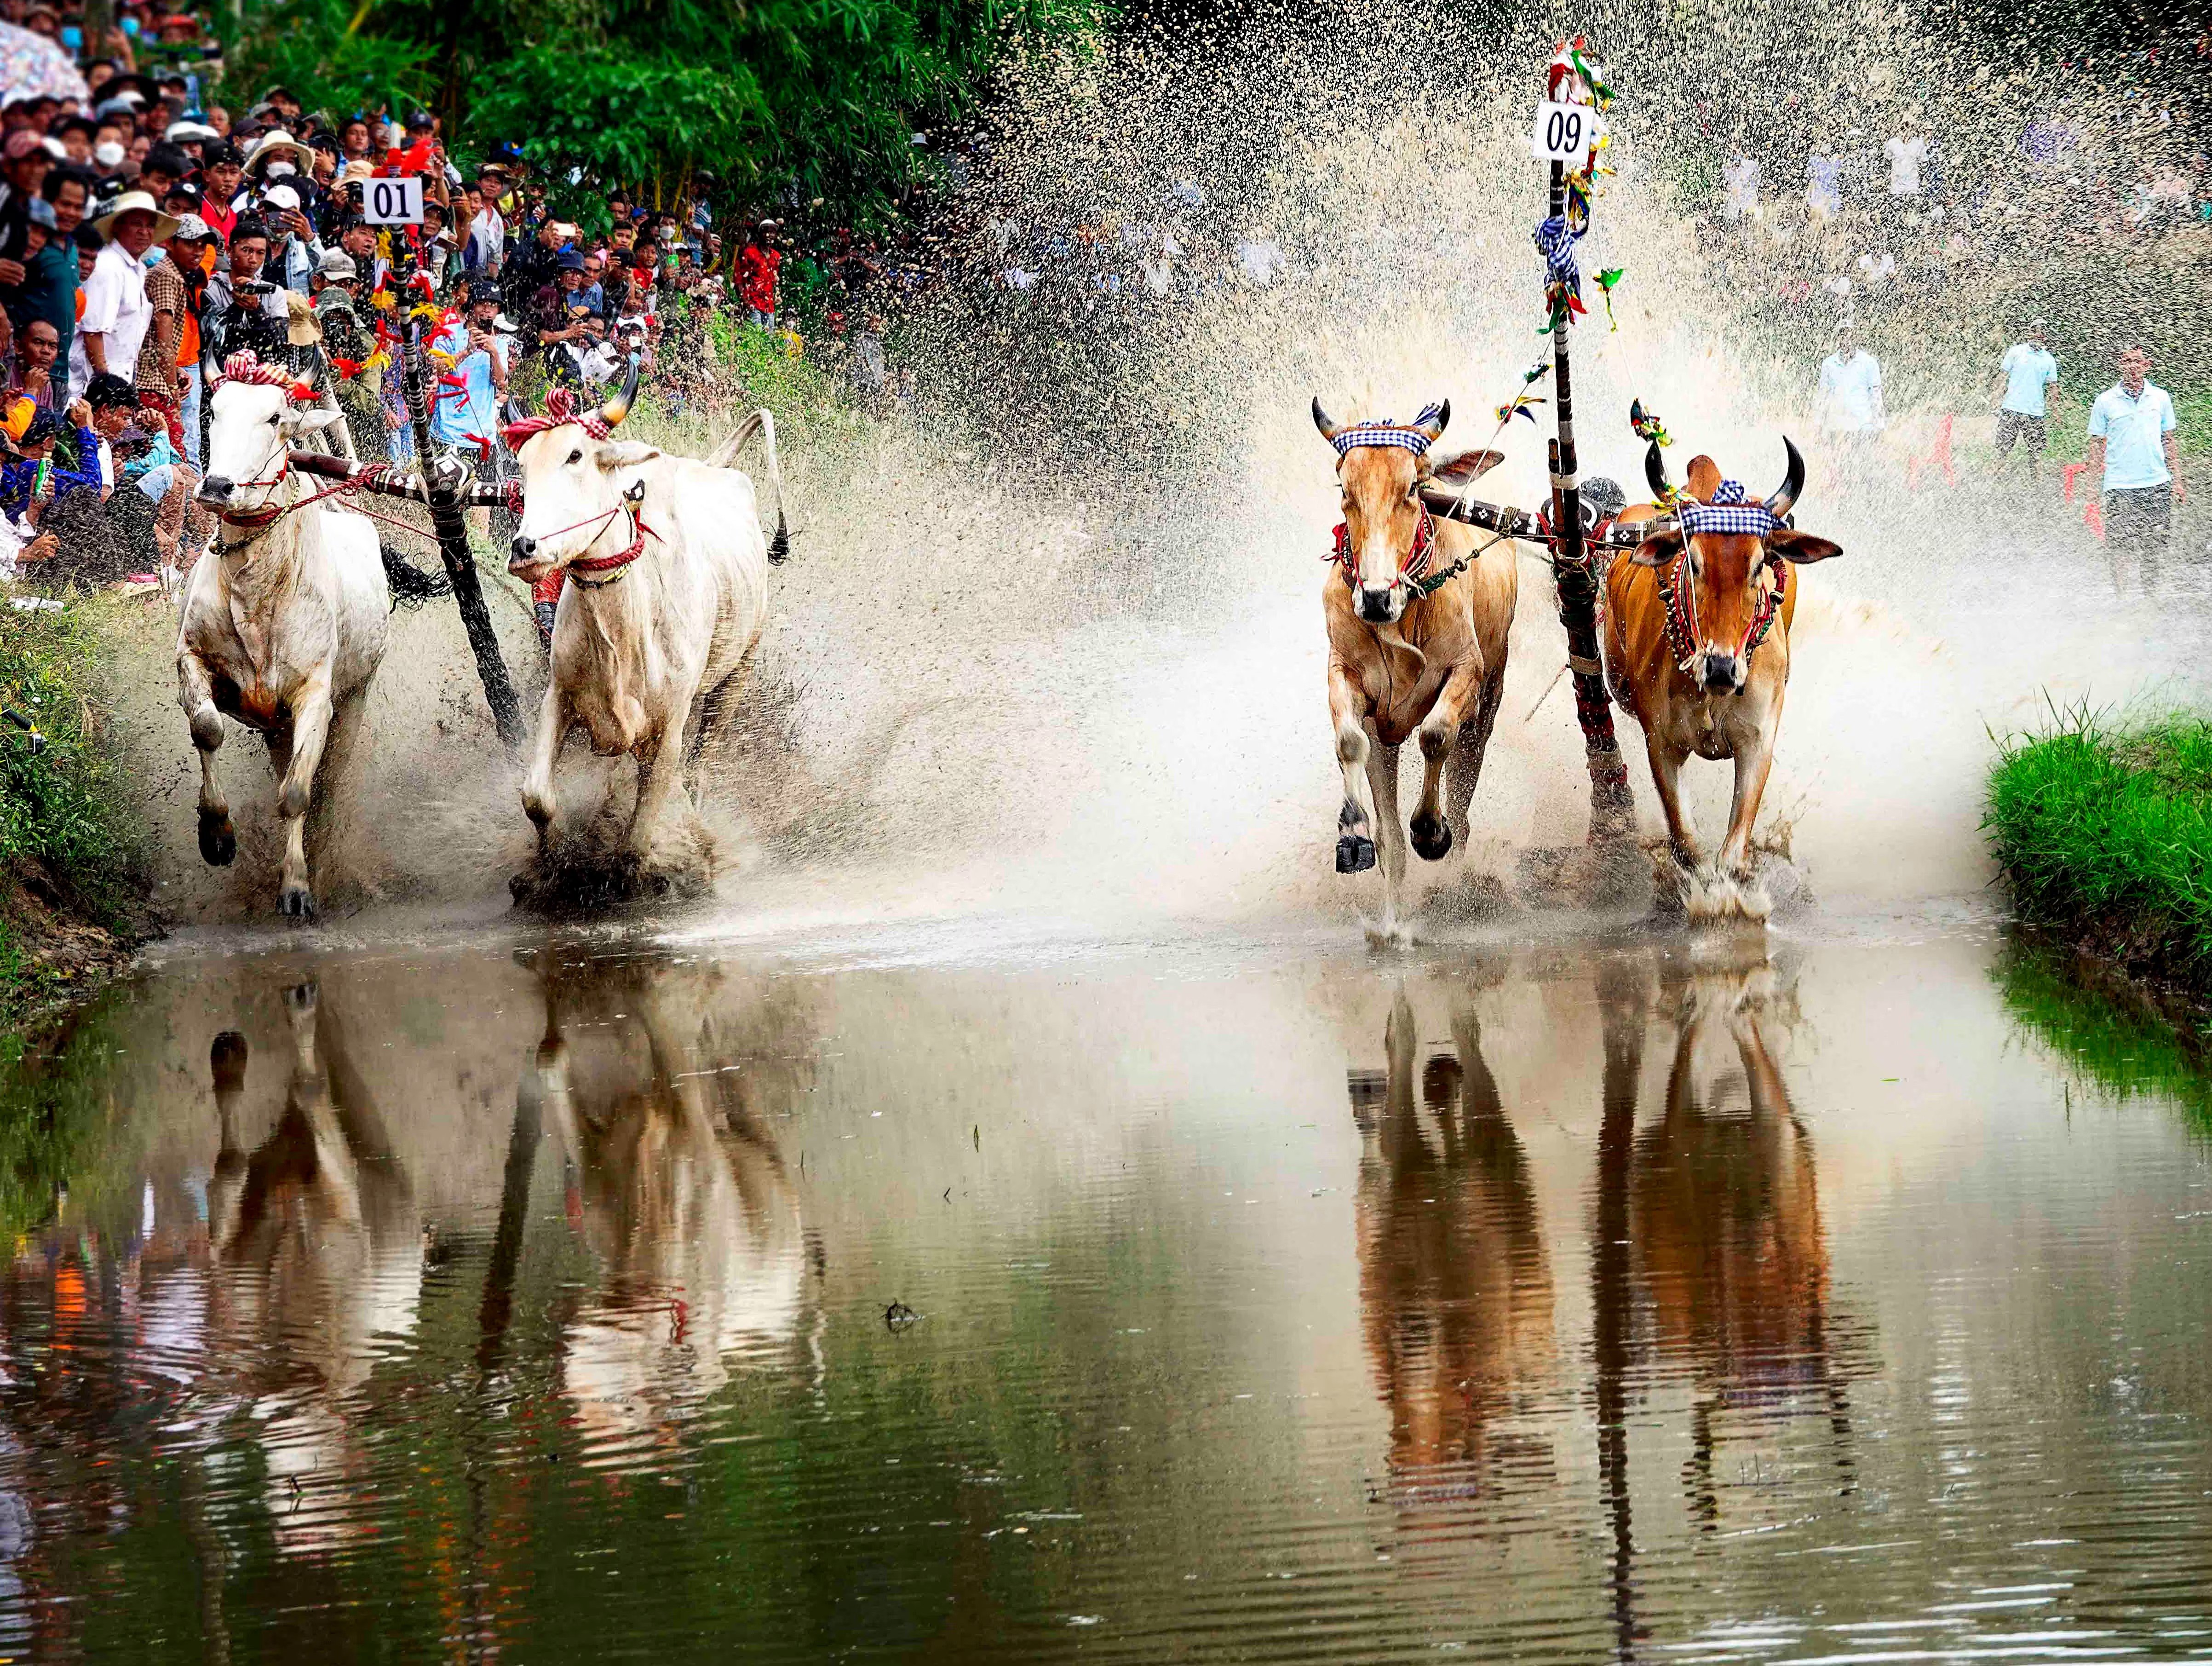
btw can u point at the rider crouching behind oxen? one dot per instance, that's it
(1418, 616)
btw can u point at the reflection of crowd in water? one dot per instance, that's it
(268, 1284)
(1709, 1261)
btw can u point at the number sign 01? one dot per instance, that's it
(1566, 132)
(393, 202)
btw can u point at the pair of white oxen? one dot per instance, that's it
(285, 618)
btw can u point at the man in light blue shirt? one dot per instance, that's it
(2030, 375)
(2132, 443)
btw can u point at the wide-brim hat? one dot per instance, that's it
(165, 225)
(301, 327)
(278, 142)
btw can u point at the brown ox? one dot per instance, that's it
(1408, 656)
(1686, 655)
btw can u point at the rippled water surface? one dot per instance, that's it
(1790, 1302)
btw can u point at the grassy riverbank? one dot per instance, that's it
(74, 875)
(2105, 832)
(2123, 1043)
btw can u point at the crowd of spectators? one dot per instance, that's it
(148, 232)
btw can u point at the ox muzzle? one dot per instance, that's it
(1720, 672)
(1379, 606)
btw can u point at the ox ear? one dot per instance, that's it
(626, 454)
(1463, 468)
(1657, 549)
(312, 420)
(1793, 545)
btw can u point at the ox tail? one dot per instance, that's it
(410, 586)
(725, 456)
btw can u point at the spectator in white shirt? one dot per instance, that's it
(2132, 448)
(485, 236)
(2030, 375)
(116, 312)
(1740, 178)
(1906, 157)
(1849, 407)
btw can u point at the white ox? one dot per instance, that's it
(284, 620)
(667, 593)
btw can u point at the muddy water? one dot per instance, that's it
(1778, 1301)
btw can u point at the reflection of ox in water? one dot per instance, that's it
(318, 1250)
(1696, 648)
(677, 1188)
(1417, 618)
(665, 594)
(1724, 1213)
(1454, 1286)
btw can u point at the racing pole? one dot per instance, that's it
(445, 482)
(1613, 810)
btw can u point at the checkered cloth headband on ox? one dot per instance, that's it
(1382, 432)
(1731, 511)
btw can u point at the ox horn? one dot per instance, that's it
(1655, 472)
(1793, 481)
(618, 407)
(1327, 424)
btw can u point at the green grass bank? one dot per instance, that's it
(2121, 1044)
(74, 878)
(2103, 831)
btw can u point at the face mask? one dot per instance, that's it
(73, 38)
(109, 154)
(277, 170)
(130, 26)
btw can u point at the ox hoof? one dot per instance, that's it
(300, 1000)
(1354, 853)
(1432, 838)
(296, 903)
(218, 840)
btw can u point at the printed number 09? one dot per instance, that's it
(1563, 133)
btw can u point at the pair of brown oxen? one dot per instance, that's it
(1696, 638)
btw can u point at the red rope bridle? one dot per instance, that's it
(1416, 563)
(255, 522)
(622, 559)
(1683, 635)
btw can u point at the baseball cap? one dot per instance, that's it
(41, 213)
(280, 196)
(193, 229)
(21, 143)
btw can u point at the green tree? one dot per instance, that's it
(818, 96)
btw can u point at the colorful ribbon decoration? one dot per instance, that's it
(1575, 77)
(1563, 280)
